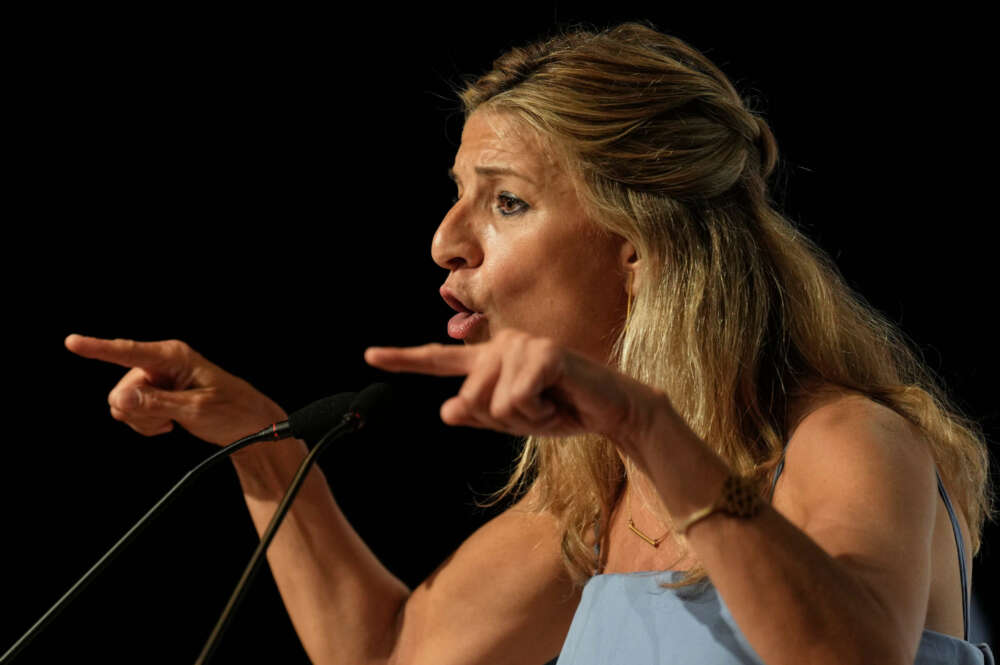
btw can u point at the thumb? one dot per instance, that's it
(148, 401)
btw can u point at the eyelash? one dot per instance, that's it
(507, 197)
(504, 197)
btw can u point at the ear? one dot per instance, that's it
(630, 264)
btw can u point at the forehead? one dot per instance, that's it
(491, 139)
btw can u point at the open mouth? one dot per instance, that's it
(462, 324)
(455, 303)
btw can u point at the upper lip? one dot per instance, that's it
(454, 302)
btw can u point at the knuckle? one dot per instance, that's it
(429, 353)
(176, 347)
(468, 393)
(522, 392)
(546, 348)
(501, 410)
(200, 404)
(126, 345)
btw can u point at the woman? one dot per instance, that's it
(677, 354)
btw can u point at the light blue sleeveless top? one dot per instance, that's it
(629, 619)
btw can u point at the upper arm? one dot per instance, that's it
(860, 481)
(502, 597)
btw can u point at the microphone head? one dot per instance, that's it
(311, 422)
(370, 402)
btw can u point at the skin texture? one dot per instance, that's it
(538, 367)
(520, 248)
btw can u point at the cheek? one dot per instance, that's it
(520, 270)
(591, 308)
(562, 286)
(578, 303)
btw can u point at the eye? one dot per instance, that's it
(508, 204)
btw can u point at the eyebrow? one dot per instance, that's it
(493, 172)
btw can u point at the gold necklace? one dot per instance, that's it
(655, 542)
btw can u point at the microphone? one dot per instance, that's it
(371, 402)
(309, 423)
(368, 404)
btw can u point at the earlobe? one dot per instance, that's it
(630, 263)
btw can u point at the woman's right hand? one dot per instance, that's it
(168, 382)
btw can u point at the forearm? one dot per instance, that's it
(792, 600)
(343, 603)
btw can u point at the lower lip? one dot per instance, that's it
(462, 324)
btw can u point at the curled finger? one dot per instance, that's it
(520, 391)
(144, 426)
(457, 412)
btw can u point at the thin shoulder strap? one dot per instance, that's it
(777, 472)
(954, 527)
(961, 554)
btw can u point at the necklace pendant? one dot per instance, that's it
(655, 542)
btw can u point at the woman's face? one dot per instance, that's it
(521, 251)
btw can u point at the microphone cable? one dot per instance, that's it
(305, 424)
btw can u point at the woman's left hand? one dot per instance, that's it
(521, 384)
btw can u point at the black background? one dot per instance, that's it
(265, 184)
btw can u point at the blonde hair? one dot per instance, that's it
(737, 313)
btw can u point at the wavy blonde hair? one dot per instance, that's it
(737, 312)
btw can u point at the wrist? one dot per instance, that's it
(650, 425)
(687, 474)
(738, 498)
(265, 469)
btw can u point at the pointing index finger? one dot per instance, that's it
(434, 359)
(124, 352)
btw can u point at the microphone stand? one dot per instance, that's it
(268, 433)
(306, 423)
(351, 422)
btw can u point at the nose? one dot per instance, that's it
(455, 244)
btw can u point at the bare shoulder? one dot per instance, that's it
(502, 597)
(858, 416)
(859, 480)
(853, 464)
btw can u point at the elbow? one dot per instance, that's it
(372, 639)
(879, 637)
(893, 648)
(857, 649)
(884, 651)
(393, 649)
(869, 634)
(390, 653)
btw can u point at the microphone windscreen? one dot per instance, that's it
(311, 422)
(370, 401)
